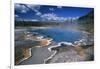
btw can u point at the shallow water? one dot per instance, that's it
(61, 34)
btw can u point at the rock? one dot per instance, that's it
(71, 54)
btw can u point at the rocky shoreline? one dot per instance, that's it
(61, 52)
(24, 42)
(70, 54)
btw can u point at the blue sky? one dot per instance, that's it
(48, 13)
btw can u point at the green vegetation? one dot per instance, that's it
(87, 22)
(34, 23)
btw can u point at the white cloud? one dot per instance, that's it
(52, 16)
(75, 18)
(51, 9)
(38, 13)
(34, 20)
(30, 19)
(23, 9)
(35, 8)
(59, 7)
(16, 16)
(17, 6)
(49, 16)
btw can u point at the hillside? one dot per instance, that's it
(87, 22)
